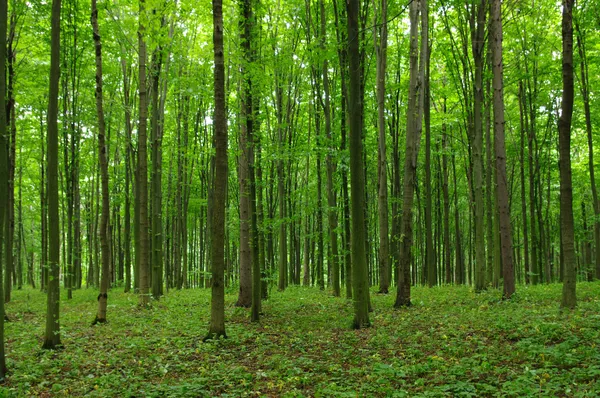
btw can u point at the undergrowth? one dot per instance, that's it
(451, 342)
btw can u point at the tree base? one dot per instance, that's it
(242, 304)
(98, 320)
(401, 303)
(356, 325)
(50, 345)
(214, 336)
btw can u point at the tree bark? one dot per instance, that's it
(413, 127)
(103, 162)
(142, 168)
(585, 93)
(384, 240)
(569, 298)
(478, 46)
(359, 256)
(156, 177)
(331, 194)
(52, 336)
(508, 273)
(4, 139)
(217, 306)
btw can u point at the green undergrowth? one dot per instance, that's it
(451, 342)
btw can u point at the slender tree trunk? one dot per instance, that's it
(44, 206)
(508, 273)
(156, 179)
(522, 116)
(384, 241)
(569, 298)
(333, 259)
(478, 46)
(459, 265)
(103, 162)
(359, 255)
(585, 93)
(245, 294)
(283, 265)
(218, 242)
(413, 127)
(52, 337)
(142, 168)
(430, 254)
(446, 195)
(4, 139)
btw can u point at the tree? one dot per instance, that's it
(52, 337)
(569, 298)
(360, 281)
(478, 22)
(103, 162)
(334, 263)
(142, 169)
(217, 306)
(506, 248)
(3, 173)
(413, 134)
(585, 93)
(384, 240)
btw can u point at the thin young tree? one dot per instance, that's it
(508, 273)
(357, 178)
(585, 94)
(103, 161)
(142, 168)
(478, 22)
(410, 163)
(384, 239)
(569, 298)
(331, 194)
(3, 171)
(219, 191)
(52, 337)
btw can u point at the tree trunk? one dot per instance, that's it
(430, 254)
(508, 273)
(413, 127)
(4, 139)
(218, 242)
(478, 46)
(333, 259)
(156, 178)
(245, 295)
(583, 64)
(522, 116)
(103, 162)
(384, 240)
(569, 298)
(359, 256)
(142, 168)
(52, 337)
(446, 195)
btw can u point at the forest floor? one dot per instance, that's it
(451, 342)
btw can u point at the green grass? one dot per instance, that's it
(452, 342)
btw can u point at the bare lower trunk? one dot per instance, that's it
(508, 274)
(103, 162)
(569, 298)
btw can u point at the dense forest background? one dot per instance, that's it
(255, 145)
(288, 199)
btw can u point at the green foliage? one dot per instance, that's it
(450, 343)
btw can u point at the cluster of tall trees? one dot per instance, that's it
(284, 147)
